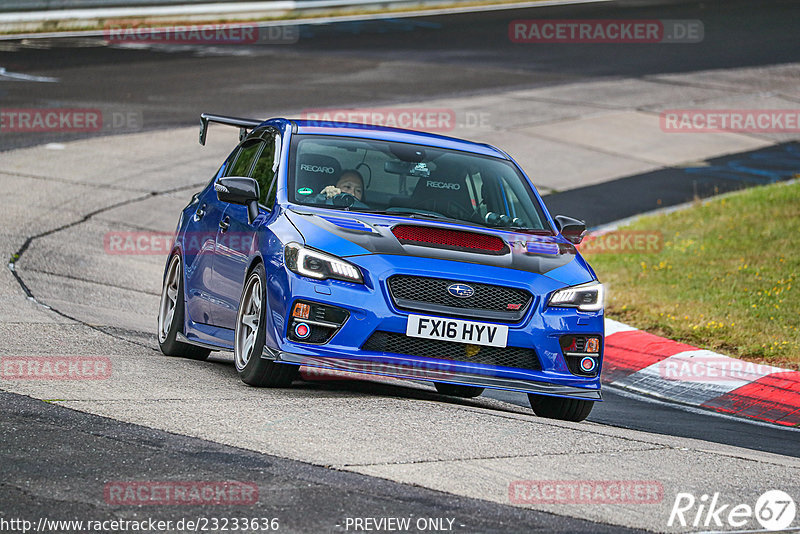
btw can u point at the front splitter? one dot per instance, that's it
(419, 373)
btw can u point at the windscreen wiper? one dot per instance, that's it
(526, 230)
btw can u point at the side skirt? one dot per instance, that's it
(183, 339)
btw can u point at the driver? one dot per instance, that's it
(350, 182)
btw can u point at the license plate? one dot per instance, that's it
(490, 335)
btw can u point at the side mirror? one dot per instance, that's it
(572, 229)
(239, 190)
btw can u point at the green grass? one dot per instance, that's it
(726, 278)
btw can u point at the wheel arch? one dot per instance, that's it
(255, 260)
(176, 249)
(272, 331)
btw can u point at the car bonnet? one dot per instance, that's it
(349, 234)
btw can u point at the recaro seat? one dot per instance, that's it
(442, 192)
(315, 171)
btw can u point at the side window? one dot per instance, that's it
(244, 160)
(264, 172)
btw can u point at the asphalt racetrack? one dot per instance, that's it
(323, 452)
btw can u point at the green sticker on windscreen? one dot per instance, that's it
(305, 191)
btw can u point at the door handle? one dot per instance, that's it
(224, 224)
(201, 211)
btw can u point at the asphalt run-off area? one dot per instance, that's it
(99, 137)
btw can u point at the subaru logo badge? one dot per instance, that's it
(462, 291)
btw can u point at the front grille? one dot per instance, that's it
(515, 357)
(418, 293)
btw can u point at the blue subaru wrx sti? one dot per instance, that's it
(383, 251)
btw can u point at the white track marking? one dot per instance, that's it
(18, 76)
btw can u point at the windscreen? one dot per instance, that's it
(411, 180)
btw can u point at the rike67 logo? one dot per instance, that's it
(773, 510)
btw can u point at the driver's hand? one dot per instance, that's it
(331, 191)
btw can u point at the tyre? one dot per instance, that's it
(559, 408)
(170, 315)
(455, 390)
(249, 338)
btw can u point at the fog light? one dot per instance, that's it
(315, 323)
(302, 330)
(588, 365)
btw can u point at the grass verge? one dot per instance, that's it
(725, 277)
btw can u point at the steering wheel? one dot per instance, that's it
(344, 200)
(456, 210)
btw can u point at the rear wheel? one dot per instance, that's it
(559, 408)
(170, 315)
(250, 335)
(457, 390)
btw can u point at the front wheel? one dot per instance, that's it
(170, 315)
(575, 410)
(249, 338)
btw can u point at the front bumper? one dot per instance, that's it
(371, 310)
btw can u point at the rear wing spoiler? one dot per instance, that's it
(243, 124)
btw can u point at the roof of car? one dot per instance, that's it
(385, 133)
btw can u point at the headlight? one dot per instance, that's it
(315, 264)
(585, 297)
